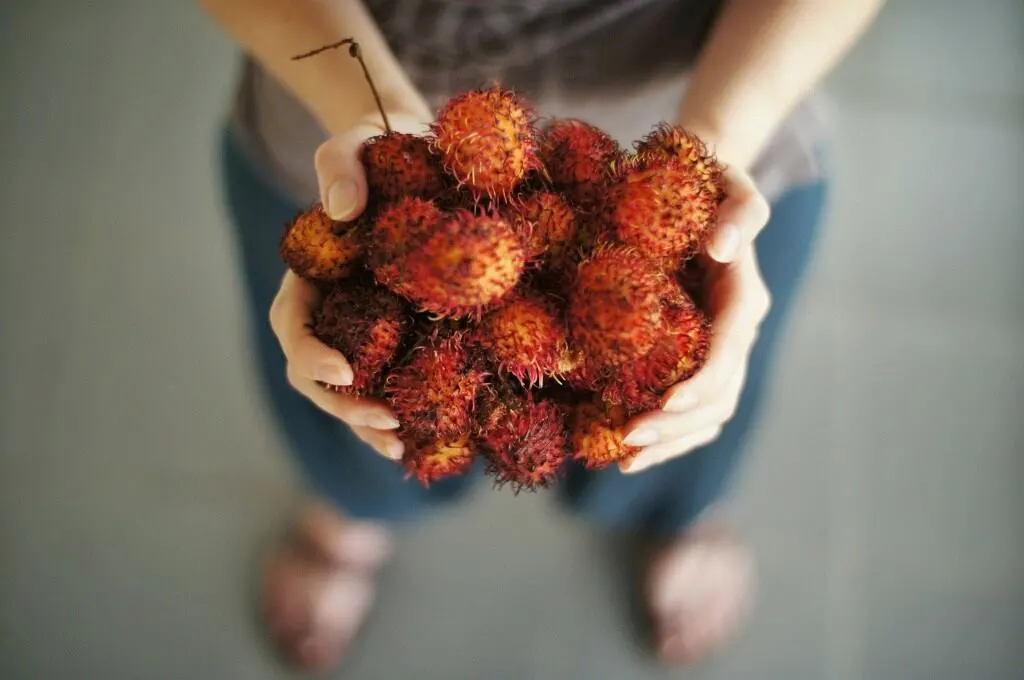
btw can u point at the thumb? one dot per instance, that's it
(741, 217)
(339, 168)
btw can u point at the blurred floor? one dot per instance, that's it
(138, 477)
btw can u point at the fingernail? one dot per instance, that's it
(379, 421)
(334, 375)
(726, 243)
(680, 402)
(641, 438)
(341, 199)
(395, 450)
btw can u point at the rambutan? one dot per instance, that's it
(467, 263)
(674, 141)
(546, 223)
(487, 140)
(317, 248)
(639, 385)
(526, 337)
(665, 204)
(595, 435)
(525, 440)
(398, 164)
(580, 160)
(433, 392)
(367, 325)
(434, 459)
(615, 308)
(399, 228)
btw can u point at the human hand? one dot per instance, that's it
(695, 411)
(311, 363)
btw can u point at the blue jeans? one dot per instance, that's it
(363, 484)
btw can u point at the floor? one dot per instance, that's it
(139, 477)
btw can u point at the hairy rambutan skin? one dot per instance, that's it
(596, 437)
(546, 223)
(674, 141)
(663, 209)
(615, 308)
(431, 460)
(367, 325)
(399, 229)
(580, 160)
(398, 164)
(638, 386)
(468, 262)
(526, 337)
(317, 248)
(433, 393)
(525, 441)
(487, 140)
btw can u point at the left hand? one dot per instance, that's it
(694, 411)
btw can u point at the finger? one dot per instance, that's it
(386, 444)
(660, 426)
(353, 411)
(290, 316)
(655, 455)
(741, 217)
(735, 330)
(339, 169)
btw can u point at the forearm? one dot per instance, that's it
(330, 84)
(762, 58)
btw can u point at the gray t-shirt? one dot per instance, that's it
(620, 64)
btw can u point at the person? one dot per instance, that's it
(738, 73)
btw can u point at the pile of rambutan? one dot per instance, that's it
(516, 291)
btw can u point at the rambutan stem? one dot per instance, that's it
(354, 51)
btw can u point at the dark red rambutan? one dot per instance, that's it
(639, 385)
(467, 263)
(615, 308)
(525, 440)
(526, 337)
(432, 460)
(596, 435)
(399, 164)
(399, 229)
(317, 248)
(487, 140)
(367, 325)
(580, 160)
(433, 392)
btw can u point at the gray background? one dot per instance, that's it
(139, 479)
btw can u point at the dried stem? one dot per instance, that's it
(354, 51)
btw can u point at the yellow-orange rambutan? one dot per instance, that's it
(546, 223)
(317, 248)
(432, 460)
(596, 437)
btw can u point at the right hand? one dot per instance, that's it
(343, 193)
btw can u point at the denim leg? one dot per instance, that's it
(334, 462)
(668, 497)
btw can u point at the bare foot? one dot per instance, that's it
(699, 591)
(319, 588)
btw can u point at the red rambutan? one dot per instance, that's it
(433, 393)
(525, 440)
(673, 141)
(487, 140)
(580, 160)
(615, 309)
(526, 337)
(467, 263)
(434, 459)
(399, 164)
(639, 385)
(367, 325)
(546, 223)
(317, 248)
(399, 229)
